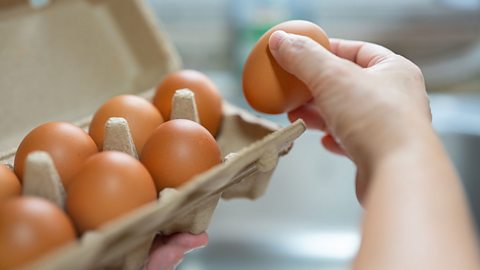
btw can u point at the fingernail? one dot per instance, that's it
(195, 248)
(276, 39)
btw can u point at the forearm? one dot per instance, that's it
(417, 217)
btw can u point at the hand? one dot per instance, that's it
(168, 251)
(373, 106)
(366, 98)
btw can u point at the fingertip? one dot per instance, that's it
(326, 142)
(189, 241)
(293, 116)
(331, 145)
(170, 250)
(310, 114)
(301, 56)
(276, 39)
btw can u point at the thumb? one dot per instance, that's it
(304, 58)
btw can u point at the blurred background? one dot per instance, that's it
(442, 36)
(309, 218)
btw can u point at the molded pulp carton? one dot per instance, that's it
(61, 61)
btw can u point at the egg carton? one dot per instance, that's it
(122, 33)
(125, 243)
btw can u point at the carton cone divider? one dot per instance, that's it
(118, 137)
(42, 179)
(184, 106)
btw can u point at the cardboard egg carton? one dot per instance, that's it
(79, 53)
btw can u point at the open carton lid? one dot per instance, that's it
(61, 61)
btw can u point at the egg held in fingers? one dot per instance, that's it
(267, 87)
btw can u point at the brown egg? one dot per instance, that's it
(178, 150)
(67, 144)
(142, 117)
(109, 185)
(207, 97)
(267, 87)
(9, 184)
(31, 227)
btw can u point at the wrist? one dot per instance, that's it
(413, 137)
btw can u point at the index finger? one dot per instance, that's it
(364, 54)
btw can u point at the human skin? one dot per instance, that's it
(373, 106)
(168, 251)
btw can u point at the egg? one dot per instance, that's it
(269, 88)
(141, 115)
(67, 144)
(109, 185)
(178, 150)
(207, 97)
(31, 227)
(9, 184)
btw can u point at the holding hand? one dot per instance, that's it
(365, 97)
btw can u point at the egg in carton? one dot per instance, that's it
(125, 242)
